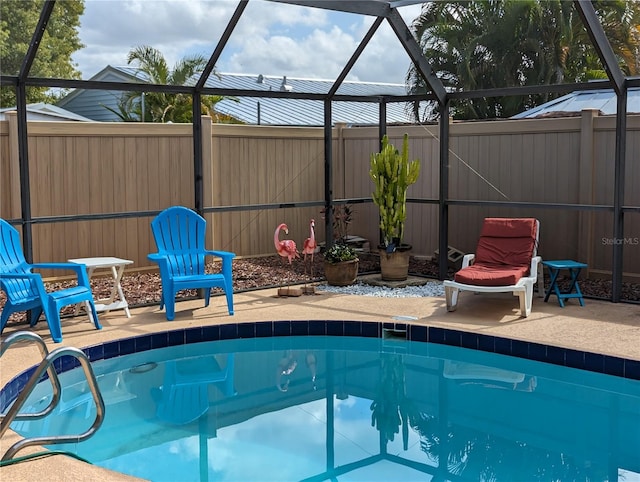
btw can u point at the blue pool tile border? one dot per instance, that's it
(609, 365)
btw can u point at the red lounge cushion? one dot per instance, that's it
(509, 228)
(482, 275)
(505, 251)
(507, 241)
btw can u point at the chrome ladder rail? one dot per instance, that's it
(47, 366)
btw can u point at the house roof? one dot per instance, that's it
(260, 110)
(602, 99)
(108, 74)
(46, 112)
(305, 112)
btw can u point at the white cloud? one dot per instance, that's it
(320, 54)
(270, 38)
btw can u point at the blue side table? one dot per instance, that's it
(574, 270)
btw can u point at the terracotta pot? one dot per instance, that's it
(343, 273)
(395, 266)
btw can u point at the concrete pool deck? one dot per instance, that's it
(598, 327)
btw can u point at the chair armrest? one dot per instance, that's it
(467, 260)
(155, 257)
(220, 254)
(227, 258)
(79, 268)
(70, 266)
(533, 270)
(158, 258)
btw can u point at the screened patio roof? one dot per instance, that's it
(383, 12)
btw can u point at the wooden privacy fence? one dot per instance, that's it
(109, 168)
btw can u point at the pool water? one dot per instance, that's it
(347, 409)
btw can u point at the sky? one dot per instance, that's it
(270, 38)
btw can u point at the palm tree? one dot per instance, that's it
(469, 47)
(163, 106)
(475, 45)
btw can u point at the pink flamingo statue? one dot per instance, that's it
(310, 246)
(286, 248)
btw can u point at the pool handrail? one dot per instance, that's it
(48, 358)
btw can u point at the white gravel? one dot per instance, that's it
(432, 288)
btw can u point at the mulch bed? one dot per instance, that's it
(143, 288)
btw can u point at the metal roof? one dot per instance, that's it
(283, 83)
(604, 100)
(305, 112)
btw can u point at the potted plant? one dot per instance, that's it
(340, 259)
(392, 173)
(340, 264)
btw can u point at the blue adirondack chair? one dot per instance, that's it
(179, 233)
(25, 290)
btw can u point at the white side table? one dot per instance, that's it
(116, 300)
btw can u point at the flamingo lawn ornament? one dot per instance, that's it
(310, 246)
(286, 248)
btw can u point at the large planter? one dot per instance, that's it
(395, 266)
(343, 273)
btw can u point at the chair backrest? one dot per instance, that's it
(180, 233)
(10, 246)
(12, 260)
(507, 242)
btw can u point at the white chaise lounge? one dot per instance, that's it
(505, 260)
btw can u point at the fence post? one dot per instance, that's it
(586, 188)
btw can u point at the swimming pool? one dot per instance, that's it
(378, 409)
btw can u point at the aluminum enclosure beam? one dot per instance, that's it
(443, 206)
(368, 7)
(328, 174)
(141, 87)
(412, 48)
(27, 61)
(404, 3)
(356, 55)
(198, 162)
(221, 44)
(600, 42)
(605, 52)
(23, 143)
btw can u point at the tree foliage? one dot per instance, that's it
(474, 45)
(165, 106)
(18, 21)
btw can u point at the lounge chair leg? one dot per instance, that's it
(540, 283)
(451, 295)
(526, 300)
